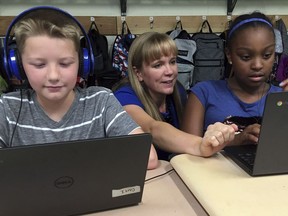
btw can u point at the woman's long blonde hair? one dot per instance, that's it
(146, 48)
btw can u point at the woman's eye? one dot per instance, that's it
(173, 61)
(157, 65)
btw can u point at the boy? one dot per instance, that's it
(50, 59)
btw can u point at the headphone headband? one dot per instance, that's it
(10, 62)
(243, 22)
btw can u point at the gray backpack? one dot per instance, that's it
(186, 49)
(209, 58)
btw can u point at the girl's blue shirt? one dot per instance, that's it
(220, 102)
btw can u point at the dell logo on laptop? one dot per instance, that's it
(64, 182)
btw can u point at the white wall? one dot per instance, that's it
(148, 7)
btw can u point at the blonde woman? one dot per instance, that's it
(155, 100)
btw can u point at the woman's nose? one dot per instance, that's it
(169, 69)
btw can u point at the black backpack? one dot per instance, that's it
(104, 74)
(209, 58)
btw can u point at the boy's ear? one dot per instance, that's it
(138, 73)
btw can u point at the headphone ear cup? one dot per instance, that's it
(12, 61)
(15, 65)
(84, 63)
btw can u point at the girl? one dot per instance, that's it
(250, 51)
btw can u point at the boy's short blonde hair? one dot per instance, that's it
(51, 23)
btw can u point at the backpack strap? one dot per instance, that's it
(206, 23)
(93, 25)
(125, 27)
(179, 25)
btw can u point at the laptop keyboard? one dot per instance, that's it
(245, 154)
(249, 158)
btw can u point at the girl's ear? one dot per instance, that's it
(228, 55)
(138, 73)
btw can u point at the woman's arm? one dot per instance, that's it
(153, 158)
(193, 118)
(174, 140)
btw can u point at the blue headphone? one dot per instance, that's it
(11, 57)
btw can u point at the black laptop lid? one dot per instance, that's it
(74, 177)
(271, 152)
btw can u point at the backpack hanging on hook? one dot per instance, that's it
(121, 48)
(186, 49)
(281, 69)
(104, 73)
(209, 58)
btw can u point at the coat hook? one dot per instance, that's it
(178, 23)
(123, 19)
(204, 18)
(229, 19)
(151, 19)
(277, 17)
(92, 19)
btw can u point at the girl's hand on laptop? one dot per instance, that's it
(249, 135)
(216, 137)
(284, 85)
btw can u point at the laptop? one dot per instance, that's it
(269, 156)
(74, 177)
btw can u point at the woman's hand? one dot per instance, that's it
(216, 137)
